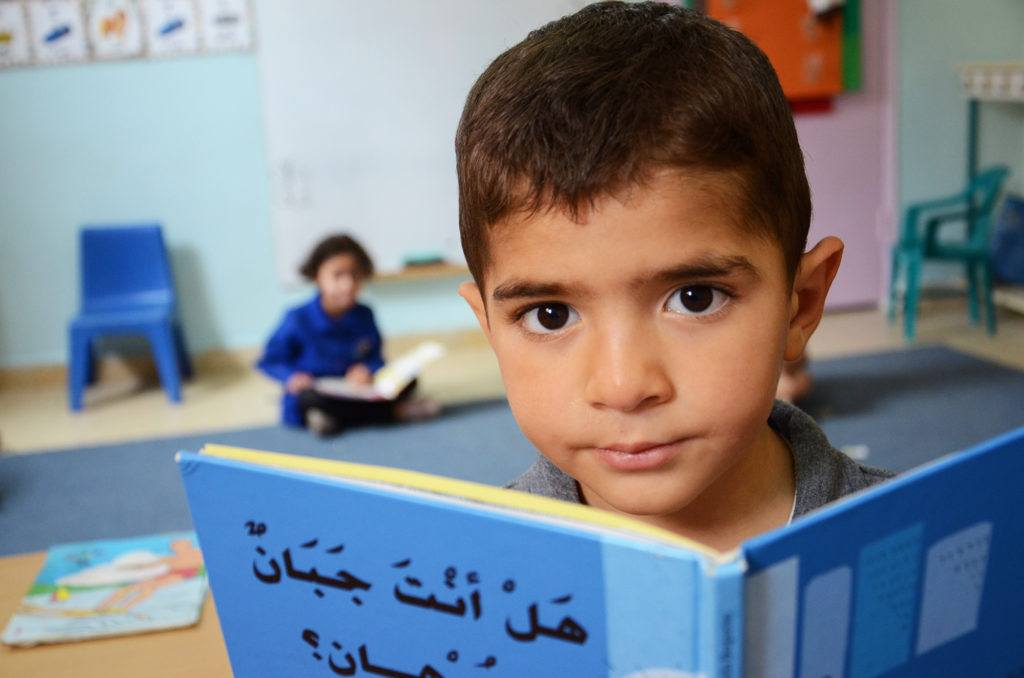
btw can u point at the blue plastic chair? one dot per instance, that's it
(919, 240)
(126, 289)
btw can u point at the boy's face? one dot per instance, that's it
(641, 346)
(339, 280)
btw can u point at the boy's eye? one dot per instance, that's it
(697, 300)
(545, 318)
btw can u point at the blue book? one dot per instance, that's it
(329, 568)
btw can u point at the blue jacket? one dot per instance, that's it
(308, 340)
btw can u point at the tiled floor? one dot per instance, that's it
(227, 393)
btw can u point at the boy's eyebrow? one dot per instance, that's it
(709, 266)
(704, 267)
(525, 289)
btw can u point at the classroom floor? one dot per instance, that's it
(228, 394)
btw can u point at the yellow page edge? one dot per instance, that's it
(458, 488)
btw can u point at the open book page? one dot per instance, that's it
(340, 387)
(389, 380)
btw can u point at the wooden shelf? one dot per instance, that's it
(425, 271)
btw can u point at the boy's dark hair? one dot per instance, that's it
(331, 246)
(593, 103)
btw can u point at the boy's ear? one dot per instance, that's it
(470, 291)
(814, 276)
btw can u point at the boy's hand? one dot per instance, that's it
(359, 374)
(298, 382)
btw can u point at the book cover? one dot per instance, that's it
(914, 577)
(112, 587)
(329, 567)
(389, 380)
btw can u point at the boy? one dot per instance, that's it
(634, 211)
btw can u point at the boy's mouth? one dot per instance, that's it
(640, 456)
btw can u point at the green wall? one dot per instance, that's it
(934, 37)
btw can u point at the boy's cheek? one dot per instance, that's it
(531, 384)
(522, 380)
(539, 420)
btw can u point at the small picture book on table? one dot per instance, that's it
(112, 587)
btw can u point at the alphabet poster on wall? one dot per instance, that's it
(51, 32)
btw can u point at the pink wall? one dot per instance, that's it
(851, 165)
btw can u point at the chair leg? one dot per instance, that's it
(182, 352)
(972, 292)
(911, 297)
(893, 280)
(162, 341)
(90, 364)
(986, 290)
(80, 357)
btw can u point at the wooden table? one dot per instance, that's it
(194, 652)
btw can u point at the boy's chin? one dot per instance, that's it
(647, 506)
(338, 306)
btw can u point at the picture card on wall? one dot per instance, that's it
(171, 27)
(14, 40)
(57, 30)
(226, 25)
(115, 28)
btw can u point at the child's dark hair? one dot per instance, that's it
(332, 246)
(595, 102)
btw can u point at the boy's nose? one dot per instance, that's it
(346, 283)
(627, 373)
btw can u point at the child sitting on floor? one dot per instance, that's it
(334, 335)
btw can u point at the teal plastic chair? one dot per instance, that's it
(920, 240)
(126, 289)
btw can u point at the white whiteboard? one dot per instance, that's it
(360, 103)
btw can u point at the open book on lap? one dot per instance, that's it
(388, 381)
